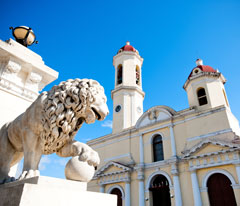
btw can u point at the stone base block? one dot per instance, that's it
(47, 191)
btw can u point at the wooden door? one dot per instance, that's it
(220, 191)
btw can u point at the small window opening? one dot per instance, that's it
(119, 74)
(137, 75)
(202, 98)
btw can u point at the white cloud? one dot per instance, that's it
(44, 160)
(107, 123)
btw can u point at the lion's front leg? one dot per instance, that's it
(32, 155)
(82, 150)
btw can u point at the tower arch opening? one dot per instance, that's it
(119, 74)
(202, 97)
(138, 75)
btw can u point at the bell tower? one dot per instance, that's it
(205, 87)
(127, 95)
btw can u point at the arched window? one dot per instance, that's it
(119, 74)
(202, 98)
(157, 148)
(117, 192)
(137, 75)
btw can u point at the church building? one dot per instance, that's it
(167, 157)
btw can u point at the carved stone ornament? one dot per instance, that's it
(50, 124)
(12, 67)
(34, 78)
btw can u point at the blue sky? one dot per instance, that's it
(79, 39)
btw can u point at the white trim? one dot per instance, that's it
(117, 157)
(159, 164)
(132, 130)
(173, 143)
(141, 149)
(118, 187)
(209, 135)
(123, 168)
(128, 194)
(224, 172)
(204, 143)
(203, 114)
(150, 179)
(153, 135)
(164, 109)
(196, 190)
(177, 190)
(237, 167)
(141, 195)
(124, 110)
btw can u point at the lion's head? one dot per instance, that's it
(66, 107)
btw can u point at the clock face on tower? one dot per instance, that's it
(118, 108)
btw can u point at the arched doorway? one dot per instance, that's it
(220, 191)
(160, 191)
(117, 192)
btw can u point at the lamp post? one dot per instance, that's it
(24, 35)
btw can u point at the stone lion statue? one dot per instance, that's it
(50, 124)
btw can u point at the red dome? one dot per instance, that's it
(203, 68)
(206, 68)
(127, 47)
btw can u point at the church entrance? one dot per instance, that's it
(220, 191)
(160, 191)
(117, 192)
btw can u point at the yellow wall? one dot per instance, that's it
(186, 128)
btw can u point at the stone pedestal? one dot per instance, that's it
(39, 191)
(23, 74)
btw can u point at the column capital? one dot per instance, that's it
(127, 178)
(193, 170)
(170, 125)
(174, 169)
(101, 184)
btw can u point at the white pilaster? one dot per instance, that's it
(176, 185)
(141, 149)
(127, 194)
(177, 190)
(102, 188)
(237, 166)
(173, 143)
(141, 193)
(124, 111)
(196, 190)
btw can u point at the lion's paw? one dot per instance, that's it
(28, 174)
(91, 157)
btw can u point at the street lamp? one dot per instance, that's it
(24, 35)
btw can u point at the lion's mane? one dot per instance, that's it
(63, 111)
